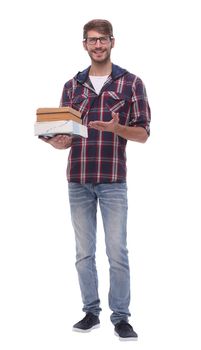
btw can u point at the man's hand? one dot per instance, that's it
(106, 126)
(58, 141)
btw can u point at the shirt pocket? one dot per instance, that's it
(81, 104)
(119, 103)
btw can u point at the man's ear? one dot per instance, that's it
(112, 42)
(84, 44)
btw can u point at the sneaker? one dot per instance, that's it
(89, 322)
(125, 331)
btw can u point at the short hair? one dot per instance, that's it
(100, 25)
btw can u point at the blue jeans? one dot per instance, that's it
(112, 199)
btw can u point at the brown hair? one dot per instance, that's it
(100, 25)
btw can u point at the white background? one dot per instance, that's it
(41, 48)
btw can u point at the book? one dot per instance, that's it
(61, 113)
(51, 128)
(62, 120)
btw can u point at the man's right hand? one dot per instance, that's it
(58, 141)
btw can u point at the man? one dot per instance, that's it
(115, 108)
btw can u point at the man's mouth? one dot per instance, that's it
(98, 51)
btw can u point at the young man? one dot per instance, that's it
(114, 106)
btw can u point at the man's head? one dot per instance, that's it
(98, 40)
(101, 26)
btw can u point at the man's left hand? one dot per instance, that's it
(106, 126)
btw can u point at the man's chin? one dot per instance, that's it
(100, 58)
(99, 61)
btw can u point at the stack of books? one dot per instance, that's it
(56, 121)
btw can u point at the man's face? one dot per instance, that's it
(98, 50)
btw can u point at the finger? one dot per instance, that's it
(67, 138)
(99, 128)
(55, 138)
(45, 139)
(59, 138)
(94, 124)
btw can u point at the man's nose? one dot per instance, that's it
(98, 43)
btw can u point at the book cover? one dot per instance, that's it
(61, 113)
(52, 128)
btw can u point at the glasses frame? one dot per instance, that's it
(109, 37)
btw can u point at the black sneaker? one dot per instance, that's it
(125, 331)
(89, 322)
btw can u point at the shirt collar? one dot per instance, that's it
(117, 72)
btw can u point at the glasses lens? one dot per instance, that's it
(104, 39)
(91, 41)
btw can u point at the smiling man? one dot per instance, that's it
(114, 105)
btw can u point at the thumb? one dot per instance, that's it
(115, 117)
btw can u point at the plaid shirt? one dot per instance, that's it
(101, 157)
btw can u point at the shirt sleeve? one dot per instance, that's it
(140, 111)
(66, 97)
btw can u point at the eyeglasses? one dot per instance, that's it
(103, 40)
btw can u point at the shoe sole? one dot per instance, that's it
(126, 339)
(85, 330)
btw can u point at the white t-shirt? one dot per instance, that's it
(98, 82)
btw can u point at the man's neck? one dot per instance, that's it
(100, 69)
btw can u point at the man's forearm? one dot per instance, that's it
(137, 133)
